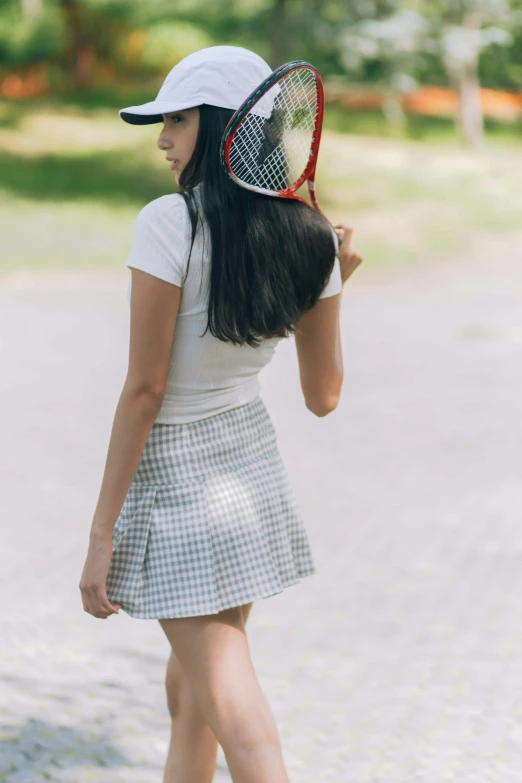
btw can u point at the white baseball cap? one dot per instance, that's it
(219, 75)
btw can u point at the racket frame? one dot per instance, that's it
(239, 115)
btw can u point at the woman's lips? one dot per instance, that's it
(173, 165)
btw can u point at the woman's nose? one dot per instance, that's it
(162, 143)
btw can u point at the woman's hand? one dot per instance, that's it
(94, 576)
(349, 257)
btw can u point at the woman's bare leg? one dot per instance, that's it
(214, 655)
(193, 746)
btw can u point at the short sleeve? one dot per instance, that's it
(335, 283)
(159, 242)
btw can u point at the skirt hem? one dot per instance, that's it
(222, 607)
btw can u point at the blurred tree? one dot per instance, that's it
(32, 9)
(464, 29)
(396, 42)
(393, 43)
(455, 31)
(80, 54)
(166, 43)
(26, 41)
(278, 33)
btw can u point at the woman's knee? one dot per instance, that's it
(244, 732)
(241, 715)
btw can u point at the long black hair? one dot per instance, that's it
(270, 257)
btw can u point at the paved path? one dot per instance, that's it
(400, 661)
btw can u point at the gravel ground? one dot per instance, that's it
(400, 660)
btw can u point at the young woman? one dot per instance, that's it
(196, 518)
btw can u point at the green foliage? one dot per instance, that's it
(115, 9)
(326, 32)
(169, 42)
(396, 41)
(90, 182)
(417, 127)
(27, 41)
(501, 66)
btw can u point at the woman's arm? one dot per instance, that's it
(154, 310)
(318, 338)
(153, 314)
(133, 420)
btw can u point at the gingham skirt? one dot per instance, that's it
(210, 519)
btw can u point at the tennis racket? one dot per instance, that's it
(271, 143)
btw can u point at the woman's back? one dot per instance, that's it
(206, 375)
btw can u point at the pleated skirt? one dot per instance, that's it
(210, 520)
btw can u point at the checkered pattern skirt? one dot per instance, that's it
(210, 520)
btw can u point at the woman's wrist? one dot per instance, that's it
(100, 532)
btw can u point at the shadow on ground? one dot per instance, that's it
(41, 743)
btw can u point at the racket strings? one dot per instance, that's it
(272, 152)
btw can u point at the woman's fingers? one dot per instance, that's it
(93, 580)
(349, 256)
(344, 232)
(95, 602)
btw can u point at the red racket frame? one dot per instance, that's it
(238, 117)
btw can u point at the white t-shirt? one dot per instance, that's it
(206, 376)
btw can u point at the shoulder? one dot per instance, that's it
(161, 238)
(164, 211)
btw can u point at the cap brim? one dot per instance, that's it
(151, 112)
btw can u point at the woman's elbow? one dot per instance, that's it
(145, 396)
(323, 407)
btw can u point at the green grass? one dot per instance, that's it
(410, 201)
(417, 127)
(111, 175)
(75, 176)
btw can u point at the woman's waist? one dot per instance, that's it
(216, 444)
(186, 403)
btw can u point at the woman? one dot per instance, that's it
(196, 517)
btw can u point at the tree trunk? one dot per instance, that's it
(394, 113)
(81, 54)
(278, 27)
(470, 121)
